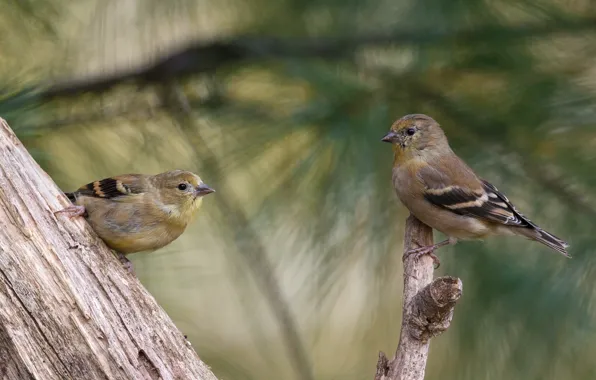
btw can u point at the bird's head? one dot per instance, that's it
(181, 193)
(416, 134)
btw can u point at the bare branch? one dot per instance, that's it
(204, 57)
(427, 310)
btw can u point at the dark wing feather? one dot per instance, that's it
(109, 188)
(502, 210)
(450, 196)
(478, 198)
(473, 197)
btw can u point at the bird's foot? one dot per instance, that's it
(72, 211)
(126, 263)
(425, 251)
(429, 251)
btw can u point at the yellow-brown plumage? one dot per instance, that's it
(444, 193)
(137, 212)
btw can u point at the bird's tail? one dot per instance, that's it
(547, 239)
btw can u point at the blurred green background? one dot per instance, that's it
(293, 268)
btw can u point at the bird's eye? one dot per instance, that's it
(411, 131)
(182, 186)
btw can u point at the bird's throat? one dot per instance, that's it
(401, 155)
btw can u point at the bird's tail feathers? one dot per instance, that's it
(547, 239)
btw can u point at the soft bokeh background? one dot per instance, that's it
(293, 268)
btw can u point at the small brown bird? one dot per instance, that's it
(444, 193)
(137, 212)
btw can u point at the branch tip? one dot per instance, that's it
(382, 367)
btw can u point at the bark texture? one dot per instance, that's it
(68, 309)
(427, 310)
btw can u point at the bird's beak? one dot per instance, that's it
(203, 190)
(390, 137)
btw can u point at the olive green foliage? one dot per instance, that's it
(294, 265)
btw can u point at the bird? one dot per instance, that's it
(139, 212)
(443, 192)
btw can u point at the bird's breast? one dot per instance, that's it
(130, 228)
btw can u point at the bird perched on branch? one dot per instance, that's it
(137, 212)
(441, 191)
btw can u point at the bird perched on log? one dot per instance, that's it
(441, 191)
(137, 212)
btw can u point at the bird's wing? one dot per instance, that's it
(461, 192)
(111, 188)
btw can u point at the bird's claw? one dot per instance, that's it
(126, 263)
(73, 211)
(425, 251)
